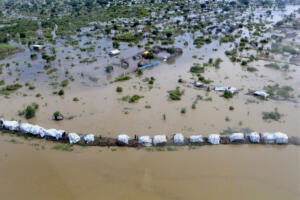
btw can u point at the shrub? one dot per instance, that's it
(58, 116)
(251, 69)
(122, 78)
(119, 89)
(29, 112)
(64, 83)
(175, 94)
(109, 69)
(227, 94)
(61, 92)
(274, 115)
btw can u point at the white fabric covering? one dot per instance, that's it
(54, 133)
(254, 137)
(123, 138)
(214, 139)
(236, 137)
(11, 125)
(178, 139)
(145, 140)
(226, 88)
(261, 93)
(196, 139)
(73, 138)
(268, 138)
(198, 84)
(32, 129)
(159, 139)
(89, 138)
(281, 138)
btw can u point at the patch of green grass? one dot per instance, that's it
(122, 78)
(64, 83)
(273, 66)
(175, 94)
(274, 115)
(172, 149)
(251, 69)
(10, 88)
(63, 147)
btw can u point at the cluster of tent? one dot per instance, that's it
(157, 140)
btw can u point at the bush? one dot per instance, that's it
(119, 89)
(109, 69)
(61, 92)
(251, 69)
(227, 94)
(122, 78)
(58, 116)
(275, 115)
(29, 112)
(64, 83)
(175, 94)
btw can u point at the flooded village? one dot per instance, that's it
(82, 81)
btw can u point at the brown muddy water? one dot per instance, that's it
(32, 170)
(211, 172)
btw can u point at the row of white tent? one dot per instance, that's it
(178, 138)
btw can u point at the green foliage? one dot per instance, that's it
(64, 83)
(175, 94)
(274, 115)
(283, 91)
(119, 89)
(227, 94)
(10, 88)
(273, 66)
(196, 68)
(109, 69)
(58, 116)
(122, 78)
(63, 147)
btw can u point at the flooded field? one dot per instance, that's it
(227, 172)
(81, 83)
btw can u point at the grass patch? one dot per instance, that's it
(274, 115)
(273, 66)
(63, 147)
(175, 94)
(122, 78)
(10, 88)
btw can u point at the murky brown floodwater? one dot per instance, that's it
(210, 172)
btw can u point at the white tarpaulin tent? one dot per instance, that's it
(234, 137)
(214, 139)
(89, 138)
(145, 140)
(254, 137)
(159, 140)
(196, 139)
(281, 138)
(123, 138)
(11, 125)
(73, 138)
(261, 93)
(178, 139)
(54, 133)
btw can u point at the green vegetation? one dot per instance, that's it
(134, 98)
(64, 83)
(227, 94)
(273, 66)
(284, 91)
(9, 89)
(58, 116)
(29, 111)
(122, 78)
(119, 89)
(274, 115)
(196, 68)
(175, 94)
(251, 69)
(6, 49)
(109, 69)
(63, 147)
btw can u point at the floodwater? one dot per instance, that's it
(210, 172)
(28, 171)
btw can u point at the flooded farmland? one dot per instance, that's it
(75, 76)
